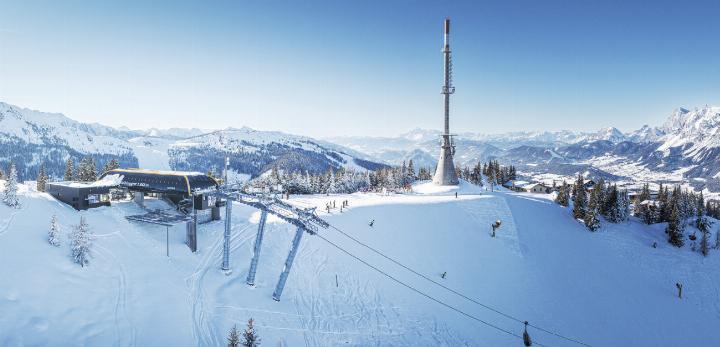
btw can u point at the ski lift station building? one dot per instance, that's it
(175, 186)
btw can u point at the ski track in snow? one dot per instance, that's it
(203, 329)
(120, 312)
(8, 222)
(535, 241)
(479, 210)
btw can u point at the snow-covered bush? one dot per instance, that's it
(80, 243)
(54, 232)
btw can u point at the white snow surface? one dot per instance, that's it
(606, 288)
(429, 188)
(107, 181)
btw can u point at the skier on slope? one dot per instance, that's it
(495, 226)
(372, 222)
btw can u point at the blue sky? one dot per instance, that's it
(330, 68)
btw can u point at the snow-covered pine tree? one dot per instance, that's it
(86, 170)
(42, 178)
(11, 187)
(332, 183)
(663, 209)
(579, 198)
(250, 337)
(54, 232)
(234, 338)
(704, 244)
(81, 243)
(675, 225)
(69, 170)
(91, 175)
(612, 204)
(592, 219)
(111, 165)
(411, 172)
(648, 214)
(600, 191)
(623, 206)
(701, 221)
(563, 196)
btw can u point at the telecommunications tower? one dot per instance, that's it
(445, 174)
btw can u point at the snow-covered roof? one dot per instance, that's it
(533, 185)
(162, 172)
(107, 181)
(516, 183)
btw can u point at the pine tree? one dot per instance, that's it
(674, 228)
(250, 337)
(86, 170)
(704, 244)
(701, 222)
(69, 170)
(592, 221)
(612, 205)
(111, 165)
(234, 338)
(411, 172)
(563, 196)
(42, 178)
(648, 214)
(332, 183)
(579, 198)
(663, 209)
(623, 206)
(54, 232)
(600, 191)
(10, 195)
(81, 243)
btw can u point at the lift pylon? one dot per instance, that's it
(305, 220)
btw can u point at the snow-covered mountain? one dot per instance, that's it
(646, 134)
(254, 152)
(29, 138)
(686, 147)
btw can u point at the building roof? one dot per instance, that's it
(178, 182)
(533, 185)
(105, 181)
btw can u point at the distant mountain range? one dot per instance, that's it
(685, 148)
(29, 138)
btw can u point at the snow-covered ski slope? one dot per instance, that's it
(608, 288)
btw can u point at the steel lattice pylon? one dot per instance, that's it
(305, 220)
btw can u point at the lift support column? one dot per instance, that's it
(226, 244)
(288, 264)
(258, 244)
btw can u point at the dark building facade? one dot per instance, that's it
(80, 196)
